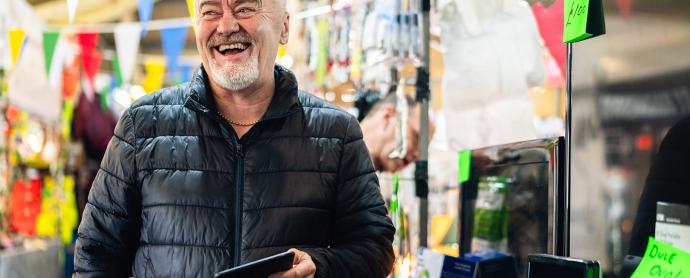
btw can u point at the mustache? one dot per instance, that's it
(237, 37)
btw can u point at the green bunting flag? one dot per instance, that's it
(49, 42)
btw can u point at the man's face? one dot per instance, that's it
(388, 164)
(238, 40)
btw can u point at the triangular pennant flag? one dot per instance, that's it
(91, 62)
(551, 30)
(117, 73)
(185, 72)
(173, 43)
(192, 13)
(49, 42)
(127, 44)
(16, 42)
(90, 58)
(88, 41)
(72, 9)
(155, 71)
(145, 11)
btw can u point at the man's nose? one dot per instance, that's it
(228, 24)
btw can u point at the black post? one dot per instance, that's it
(421, 166)
(568, 146)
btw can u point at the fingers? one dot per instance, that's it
(303, 267)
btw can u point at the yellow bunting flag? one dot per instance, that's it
(155, 72)
(192, 14)
(16, 41)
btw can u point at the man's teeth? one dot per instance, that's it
(234, 46)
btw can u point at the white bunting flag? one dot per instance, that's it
(127, 43)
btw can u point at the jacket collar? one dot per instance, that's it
(285, 100)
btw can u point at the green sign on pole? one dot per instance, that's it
(464, 161)
(663, 260)
(582, 19)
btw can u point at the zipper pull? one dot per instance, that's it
(240, 152)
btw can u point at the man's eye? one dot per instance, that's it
(245, 11)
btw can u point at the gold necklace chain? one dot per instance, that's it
(238, 123)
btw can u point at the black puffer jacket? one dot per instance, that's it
(176, 179)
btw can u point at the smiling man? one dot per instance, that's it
(235, 166)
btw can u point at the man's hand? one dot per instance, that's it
(302, 267)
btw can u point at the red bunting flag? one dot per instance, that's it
(90, 57)
(550, 22)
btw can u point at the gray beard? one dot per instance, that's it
(235, 77)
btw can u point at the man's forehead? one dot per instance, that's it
(232, 2)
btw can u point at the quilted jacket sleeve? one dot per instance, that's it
(109, 231)
(363, 233)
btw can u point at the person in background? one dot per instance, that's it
(668, 181)
(235, 166)
(380, 133)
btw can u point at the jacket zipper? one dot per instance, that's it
(239, 188)
(239, 175)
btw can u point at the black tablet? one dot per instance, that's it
(260, 268)
(548, 266)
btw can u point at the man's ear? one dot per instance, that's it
(387, 114)
(285, 33)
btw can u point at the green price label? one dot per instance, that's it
(464, 161)
(663, 260)
(583, 19)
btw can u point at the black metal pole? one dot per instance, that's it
(421, 166)
(568, 146)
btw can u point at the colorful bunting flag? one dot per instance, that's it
(90, 57)
(127, 45)
(192, 13)
(186, 72)
(145, 11)
(155, 71)
(117, 73)
(550, 23)
(173, 40)
(49, 42)
(17, 36)
(72, 9)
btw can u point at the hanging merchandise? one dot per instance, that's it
(402, 115)
(58, 217)
(339, 45)
(47, 219)
(490, 230)
(322, 52)
(94, 126)
(173, 40)
(69, 217)
(496, 56)
(127, 47)
(16, 39)
(49, 42)
(145, 11)
(25, 204)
